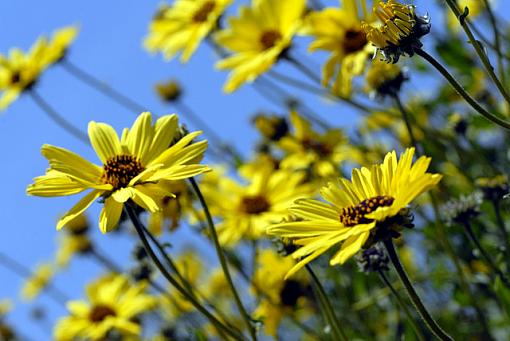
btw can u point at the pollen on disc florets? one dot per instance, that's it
(353, 215)
(120, 170)
(255, 204)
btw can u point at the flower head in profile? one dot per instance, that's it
(135, 167)
(373, 206)
(182, 26)
(384, 79)
(112, 304)
(338, 31)
(247, 208)
(20, 71)
(400, 31)
(257, 38)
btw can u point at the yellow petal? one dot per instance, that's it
(104, 140)
(110, 215)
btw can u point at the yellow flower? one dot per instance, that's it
(5, 307)
(182, 26)
(113, 304)
(38, 281)
(20, 71)
(400, 31)
(246, 210)
(280, 297)
(383, 79)
(370, 207)
(257, 38)
(135, 167)
(169, 91)
(338, 30)
(69, 245)
(308, 149)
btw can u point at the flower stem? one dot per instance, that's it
(140, 231)
(502, 228)
(403, 305)
(406, 119)
(102, 87)
(221, 257)
(464, 22)
(420, 308)
(461, 91)
(485, 255)
(336, 327)
(497, 40)
(57, 118)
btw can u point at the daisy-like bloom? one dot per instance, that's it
(306, 149)
(281, 297)
(338, 30)
(384, 79)
(112, 304)
(372, 207)
(20, 71)
(246, 209)
(183, 25)
(136, 167)
(257, 38)
(400, 31)
(39, 280)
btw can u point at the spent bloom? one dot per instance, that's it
(400, 31)
(182, 26)
(112, 304)
(136, 167)
(257, 38)
(19, 71)
(371, 207)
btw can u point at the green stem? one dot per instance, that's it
(497, 40)
(485, 255)
(140, 231)
(102, 87)
(403, 305)
(420, 308)
(336, 327)
(479, 49)
(221, 257)
(461, 91)
(406, 119)
(502, 228)
(57, 118)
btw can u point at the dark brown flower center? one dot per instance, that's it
(354, 215)
(202, 13)
(254, 204)
(100, 312)
(319, 147)
(292, 290)
(354, 40)
(268, 39)
(15, 78)
(120, 170)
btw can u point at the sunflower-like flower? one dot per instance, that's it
(369, 208)
(183, 25)
(279, 297)
(113, 305)
(38, 281)
(20, 71)
(247, 209)
(338, 30)
(400, 31)
(136, 167)
(257, 38)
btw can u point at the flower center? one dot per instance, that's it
(268, 39)
(319, 147)
(203, 12)
(354, 40)
(354, 215)
(254, 204)
(100, 312)
(119, 170)
(15, 78)
(291, 292)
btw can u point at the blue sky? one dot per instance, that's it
(110, 47)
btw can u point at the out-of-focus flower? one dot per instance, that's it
(135, 167)
(38, 281)
(182, 26)
(384, 79)
(6, 331)
(400, 31)
(74, 241)
(338, 30)
(271, 127)
(369, 208)
(20, 71)
(112, 304)
(257, 38)
(246, 210)
(373, 259)
(172, 208)
(475, 8)
(494, 188)
(463, 209)
(5, 307)
(169, 91)
(279, 297)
